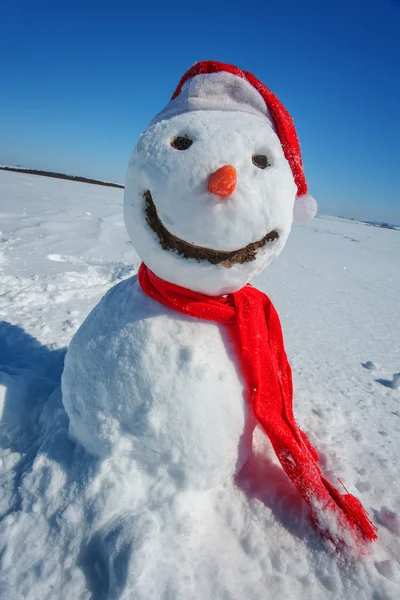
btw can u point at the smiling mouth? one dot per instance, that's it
(171, 242)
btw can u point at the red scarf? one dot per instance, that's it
(269, 383)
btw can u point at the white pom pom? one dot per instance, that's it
(305, 208)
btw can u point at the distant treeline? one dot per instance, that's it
(61, 176)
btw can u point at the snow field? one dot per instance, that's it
(70, 528)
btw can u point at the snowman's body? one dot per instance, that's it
(167, 382)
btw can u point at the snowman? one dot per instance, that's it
(177, 365)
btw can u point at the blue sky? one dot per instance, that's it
(81, 80)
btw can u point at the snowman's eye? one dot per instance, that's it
(181, 142)
(260, 161)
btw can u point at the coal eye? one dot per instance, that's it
(181, 142)
(260, 161)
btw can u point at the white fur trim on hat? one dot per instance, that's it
(216, 91)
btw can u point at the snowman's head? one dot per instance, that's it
(209, 193)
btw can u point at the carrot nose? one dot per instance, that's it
(222, 183)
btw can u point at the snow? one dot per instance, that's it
(77, 527)
(154, 391)
(262, 201)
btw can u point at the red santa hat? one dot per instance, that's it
(210, 85)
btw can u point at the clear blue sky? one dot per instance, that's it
(81, 80)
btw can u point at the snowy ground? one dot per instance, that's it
(337, 290)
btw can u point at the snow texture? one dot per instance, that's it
(262, 201)
(177, 394)
(78, 527)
